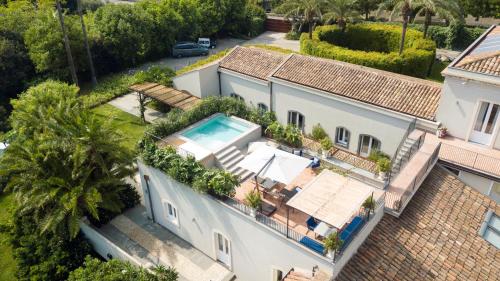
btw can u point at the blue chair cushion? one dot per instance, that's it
(347, 234)
(313, 245)
(311, 223)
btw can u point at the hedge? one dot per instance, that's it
(373, 45)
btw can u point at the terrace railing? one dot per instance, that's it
(291, 234)
(405, 158)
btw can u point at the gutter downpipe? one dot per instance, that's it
(146, 179)
(271, 96)
(220, 84)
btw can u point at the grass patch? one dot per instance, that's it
(203, 62)
(109, 87)
(272, 48)
(437, 67)
(7, 262)
(130, 126)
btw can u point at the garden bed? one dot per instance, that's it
(373, 45)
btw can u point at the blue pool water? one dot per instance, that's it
(216, 132)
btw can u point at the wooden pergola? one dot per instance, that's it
(169, 96)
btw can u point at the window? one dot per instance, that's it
(171, 211)
(296, 119)
(342, 136)
(367, 144)
(485, 123)
(262, 107)
(236, 96)
(490, 229)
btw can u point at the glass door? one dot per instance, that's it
(485, 123)
(223, 249)
(367, 144)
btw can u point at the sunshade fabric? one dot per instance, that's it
(331, 198)
(284, 167)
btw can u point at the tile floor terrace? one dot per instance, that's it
(473, 156)
(297, 219)
(436, 238)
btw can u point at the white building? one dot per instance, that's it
(469, 108)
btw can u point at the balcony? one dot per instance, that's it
(413, 167)
(468, 155)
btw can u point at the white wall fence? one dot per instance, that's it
(106, 248)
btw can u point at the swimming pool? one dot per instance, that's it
(216, 132)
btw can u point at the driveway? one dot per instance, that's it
(268, 38)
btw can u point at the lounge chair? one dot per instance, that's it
(348, 233)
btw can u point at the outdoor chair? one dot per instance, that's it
(313, 245)
(348, 233)
(315, 162)
(311, 223)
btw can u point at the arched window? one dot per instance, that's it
(262, 107)
(296, 119)
(236, 96)
(342, 137)
(367, 144)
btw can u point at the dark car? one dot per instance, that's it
(187, 49)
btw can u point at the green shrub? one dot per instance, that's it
(276, 131)
(326, 144)
(383, 165)
(110, 87)
(372, 45)
(293, 136)
(292, 35)
(188, 170)
(318, 133)
(253, 199)
(376, 154)
(128, 196)
(369, 203)
(156, 74)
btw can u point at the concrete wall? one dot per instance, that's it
(481, 184)
(252, 91)
(459, 100)
(202, 82)
(331, 114)
(103, 246)
(256, 249)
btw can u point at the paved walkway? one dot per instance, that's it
(130, 103)
(151, 243)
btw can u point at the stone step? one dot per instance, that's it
(225, 152)
(229, 157)
(232, 162)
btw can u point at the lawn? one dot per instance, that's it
(437, 67)
(7, 263)
(129, 125)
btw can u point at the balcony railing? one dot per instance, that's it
(464, 157)
(294, 235)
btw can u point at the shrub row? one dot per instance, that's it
(357, 43)
(455, 36)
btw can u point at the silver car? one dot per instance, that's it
(188, 49)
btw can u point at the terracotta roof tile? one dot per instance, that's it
(436, 238)
(393, 91)
(484, 56)
(255, 62)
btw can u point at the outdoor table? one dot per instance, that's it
(323, 229)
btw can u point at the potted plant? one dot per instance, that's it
(369, 204)
(383, 166)
(254, 201)
(442, 132)
(332, 244)
(326, 146)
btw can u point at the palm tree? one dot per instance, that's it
(71, 166)
(71, 63)
(447, 9)
(341, 11)
(404, 9)
(308, 11)
(85, 39)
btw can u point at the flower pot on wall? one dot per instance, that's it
(382, 176)
(253, 212)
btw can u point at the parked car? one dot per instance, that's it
(207, 43)
(186, 49)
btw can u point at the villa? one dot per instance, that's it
(309, 195)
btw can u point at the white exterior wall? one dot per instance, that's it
(458, 105)
(252, 91)
(255, 249)
(331, 114)
(481, 184)
(201, 83)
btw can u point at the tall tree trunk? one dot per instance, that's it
(87, 47)
(403, 34)
(427, 22)
(66, 44)
(366, 14)
(310, 30)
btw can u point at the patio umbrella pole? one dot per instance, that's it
(287, 219)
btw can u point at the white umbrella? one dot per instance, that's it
(284, 167)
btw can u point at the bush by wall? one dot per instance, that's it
(372, 45)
